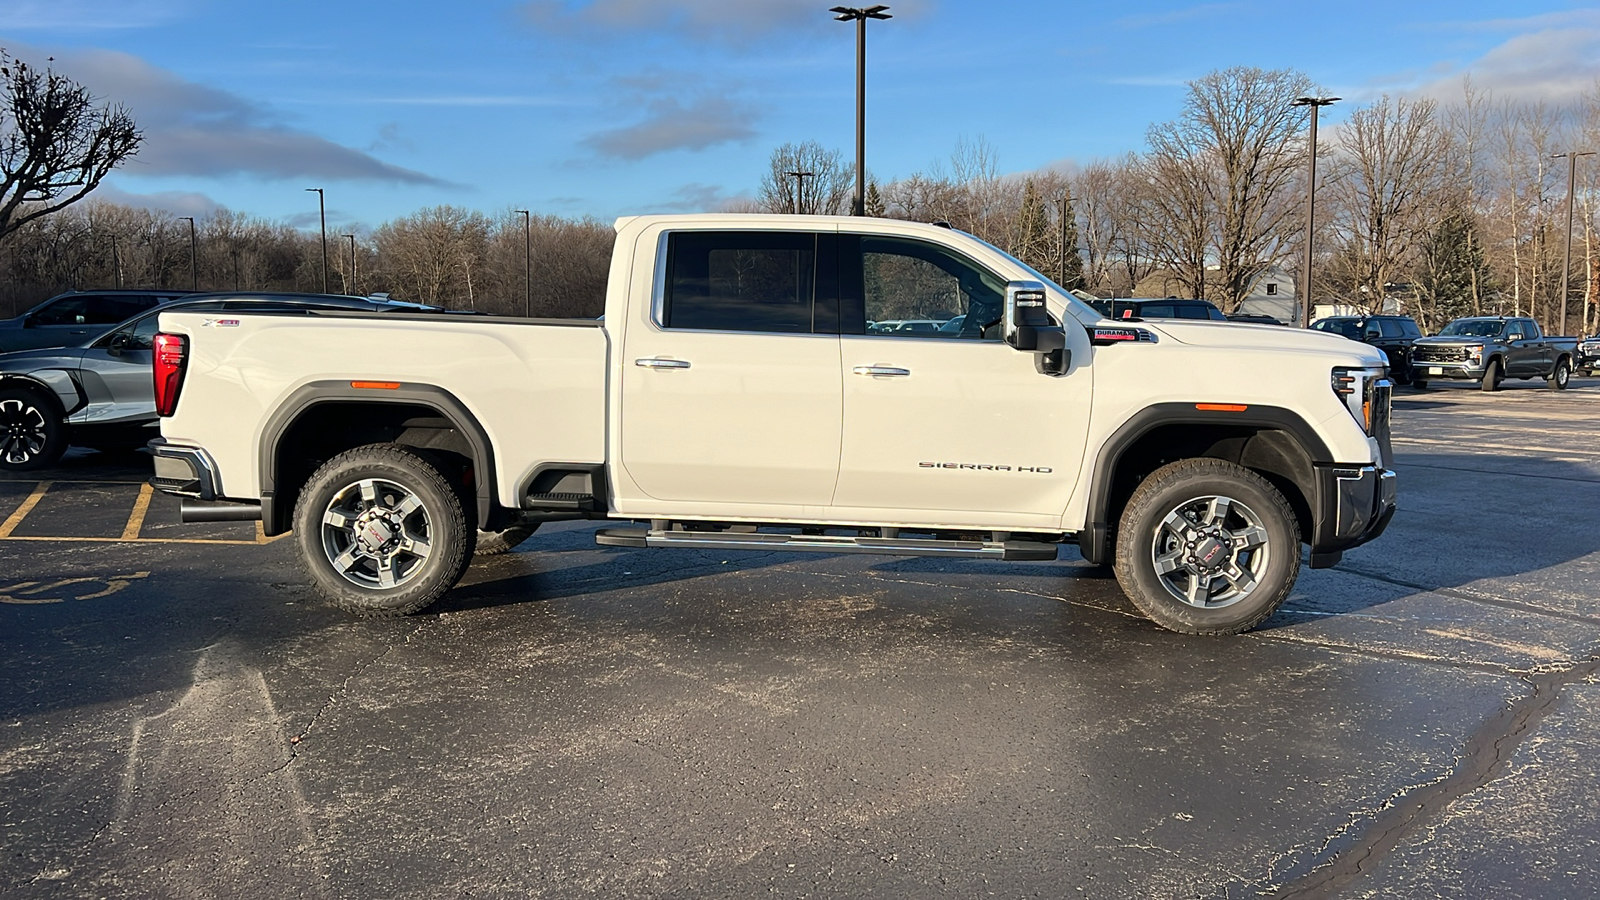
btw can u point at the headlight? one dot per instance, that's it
(1475, 353)
(1366, 394)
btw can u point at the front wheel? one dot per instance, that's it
(1491, 377)
(382, 532)
(1206, 546)
(32, 435)
(1560, 377)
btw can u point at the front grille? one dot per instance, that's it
(1439, 354)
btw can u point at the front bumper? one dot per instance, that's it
(1354, 505)
(1430, 371)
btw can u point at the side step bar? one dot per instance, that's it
(821, 543)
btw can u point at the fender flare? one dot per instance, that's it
(317, 393)
(1094, 539)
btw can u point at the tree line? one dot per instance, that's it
(1441, 209)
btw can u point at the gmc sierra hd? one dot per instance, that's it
(733, 397)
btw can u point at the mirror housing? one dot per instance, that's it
(118, 343)
(1027, 326)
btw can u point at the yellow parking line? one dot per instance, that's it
(136, 518)
(118, 540)
(22, 511)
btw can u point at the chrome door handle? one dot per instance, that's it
(656, 363)
(881, 370)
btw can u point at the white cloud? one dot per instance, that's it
(670, 125)
(86, 15)
(179, 203)
(1556, 65)
(723, 20)
(195, 130)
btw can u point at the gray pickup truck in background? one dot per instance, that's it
(1489, 349)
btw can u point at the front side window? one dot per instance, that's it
(740, 281)
(912, 288)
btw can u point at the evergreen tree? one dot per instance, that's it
(874, 204)
(1450, 265)
(1069, 261)
(1030, 236)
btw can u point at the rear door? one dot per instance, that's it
(116, 376)
(731, 390)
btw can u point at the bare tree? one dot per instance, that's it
(1227, 166)
(1390, 165)
(807, 179)
(56, 144)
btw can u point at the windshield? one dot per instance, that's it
(1473, 328)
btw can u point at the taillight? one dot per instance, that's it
(171, 358)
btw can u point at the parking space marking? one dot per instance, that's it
(32, 593)
(141, 506)
(21, 512)
(130, 531)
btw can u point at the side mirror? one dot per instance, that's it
(119, 343)
(1514, 336)
(1026, 326)
(31, 320)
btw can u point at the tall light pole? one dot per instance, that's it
(194, 269)
(116, 259)
(527, 263)
(1571, 157)
(1316, 103)
(860, 17)
(350, 287)
(799, 186)
(322, 213)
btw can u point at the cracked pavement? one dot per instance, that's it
(1419, 721)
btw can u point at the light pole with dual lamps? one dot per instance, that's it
(860, 16)
(799, 187)
(527, 263)
(1316, 103)
(1566, 258)
(350, 286)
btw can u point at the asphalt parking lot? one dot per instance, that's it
(182, 716)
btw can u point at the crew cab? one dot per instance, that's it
(1490, 349)
(733, 397)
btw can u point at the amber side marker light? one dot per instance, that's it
(376, 385)
(1221, 407)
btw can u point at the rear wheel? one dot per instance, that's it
(1559, 378)
(1491, 377)
(382, 532)
(32, 434)
(1206, 546)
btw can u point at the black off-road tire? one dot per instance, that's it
(32, 433)
(1491, 377)
(1178, 487)
(1560, 377)
(398, 476)
(494, 543)
(1420, 384)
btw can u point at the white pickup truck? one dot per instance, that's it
(736, 395)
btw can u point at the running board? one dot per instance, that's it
(822, 543)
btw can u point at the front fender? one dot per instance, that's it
(58, 384)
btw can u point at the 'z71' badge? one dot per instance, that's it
(220, 323)
(984, 467)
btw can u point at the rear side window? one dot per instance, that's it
(1155, 311)
(740, 281)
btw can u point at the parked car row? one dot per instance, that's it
(94, 388)
(1482, 349)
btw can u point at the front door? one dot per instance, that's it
(954, 426)
(731, 392)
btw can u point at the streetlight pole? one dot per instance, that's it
(1316, 103)
(194, 269)
(860, 17)
(799, 187)
(1566, 257)
(116, 259)
(322, 213)
(350, 286)
(1064, 207)
(527, 264)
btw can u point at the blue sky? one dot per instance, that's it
(612, 107)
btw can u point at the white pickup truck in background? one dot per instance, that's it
(736, 396)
